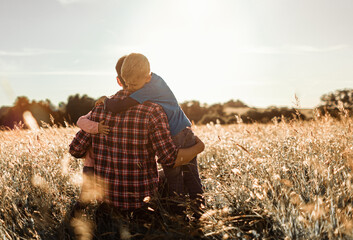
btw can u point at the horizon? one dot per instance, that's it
(263, 53)
(294, 104)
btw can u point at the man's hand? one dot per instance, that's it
(200, 145)
(185, 155)
(103, 129)
(100, 101)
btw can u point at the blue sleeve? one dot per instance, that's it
(155, 91)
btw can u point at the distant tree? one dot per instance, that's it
(62, 106)
(202, 114)
(266, 116)
(333, 99)
(216, 109)
(22, 103)
(337, 103)
(14, 115)
(194, 110)
(211, 117)
(42, 111)
(45, 111)
(77, 106)
(235, 104)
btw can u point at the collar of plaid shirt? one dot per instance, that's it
(125, 159)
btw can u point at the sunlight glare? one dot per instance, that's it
(30, 121)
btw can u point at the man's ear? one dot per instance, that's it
(119, 82)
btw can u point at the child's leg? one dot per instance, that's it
(174, 177)
(174, 180)
(192, 179)
(190, 171)
(194, 187)
(175, 187)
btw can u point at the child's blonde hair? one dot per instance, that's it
(135, 67)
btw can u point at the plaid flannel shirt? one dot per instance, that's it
(125, 159)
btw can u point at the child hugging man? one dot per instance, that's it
(147, 86)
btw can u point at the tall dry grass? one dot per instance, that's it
(289, 180)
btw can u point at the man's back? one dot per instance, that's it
(125, 158)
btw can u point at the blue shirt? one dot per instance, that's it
(157, 91)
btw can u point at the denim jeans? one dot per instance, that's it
(184, 179)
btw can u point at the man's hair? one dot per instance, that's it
(135, 66)
(118, 66)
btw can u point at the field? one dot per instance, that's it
(285, 180)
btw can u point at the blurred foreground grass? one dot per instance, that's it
(289, 180)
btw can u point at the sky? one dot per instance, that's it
(262, 52)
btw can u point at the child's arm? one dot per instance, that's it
(90, 126)
(117, 106)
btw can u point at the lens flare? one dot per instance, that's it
(30, 121)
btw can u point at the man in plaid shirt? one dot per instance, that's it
(125, 158)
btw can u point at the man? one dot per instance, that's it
(125, 158)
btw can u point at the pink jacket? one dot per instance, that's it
(91, 127)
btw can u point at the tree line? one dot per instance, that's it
(336, 104)
(45, 113)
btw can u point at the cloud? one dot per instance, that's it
(68, 2)
(291, 49)
(303, 48)
(29, 52)
(58, 73)
(119, 50)
(8, 65)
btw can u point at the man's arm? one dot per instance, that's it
(162, 143)
(185, 155)
(80, 144)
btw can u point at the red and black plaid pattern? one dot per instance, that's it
(125, 159)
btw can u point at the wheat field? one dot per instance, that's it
(284, 180)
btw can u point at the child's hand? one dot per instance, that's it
(103, 129)
(100, 101)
